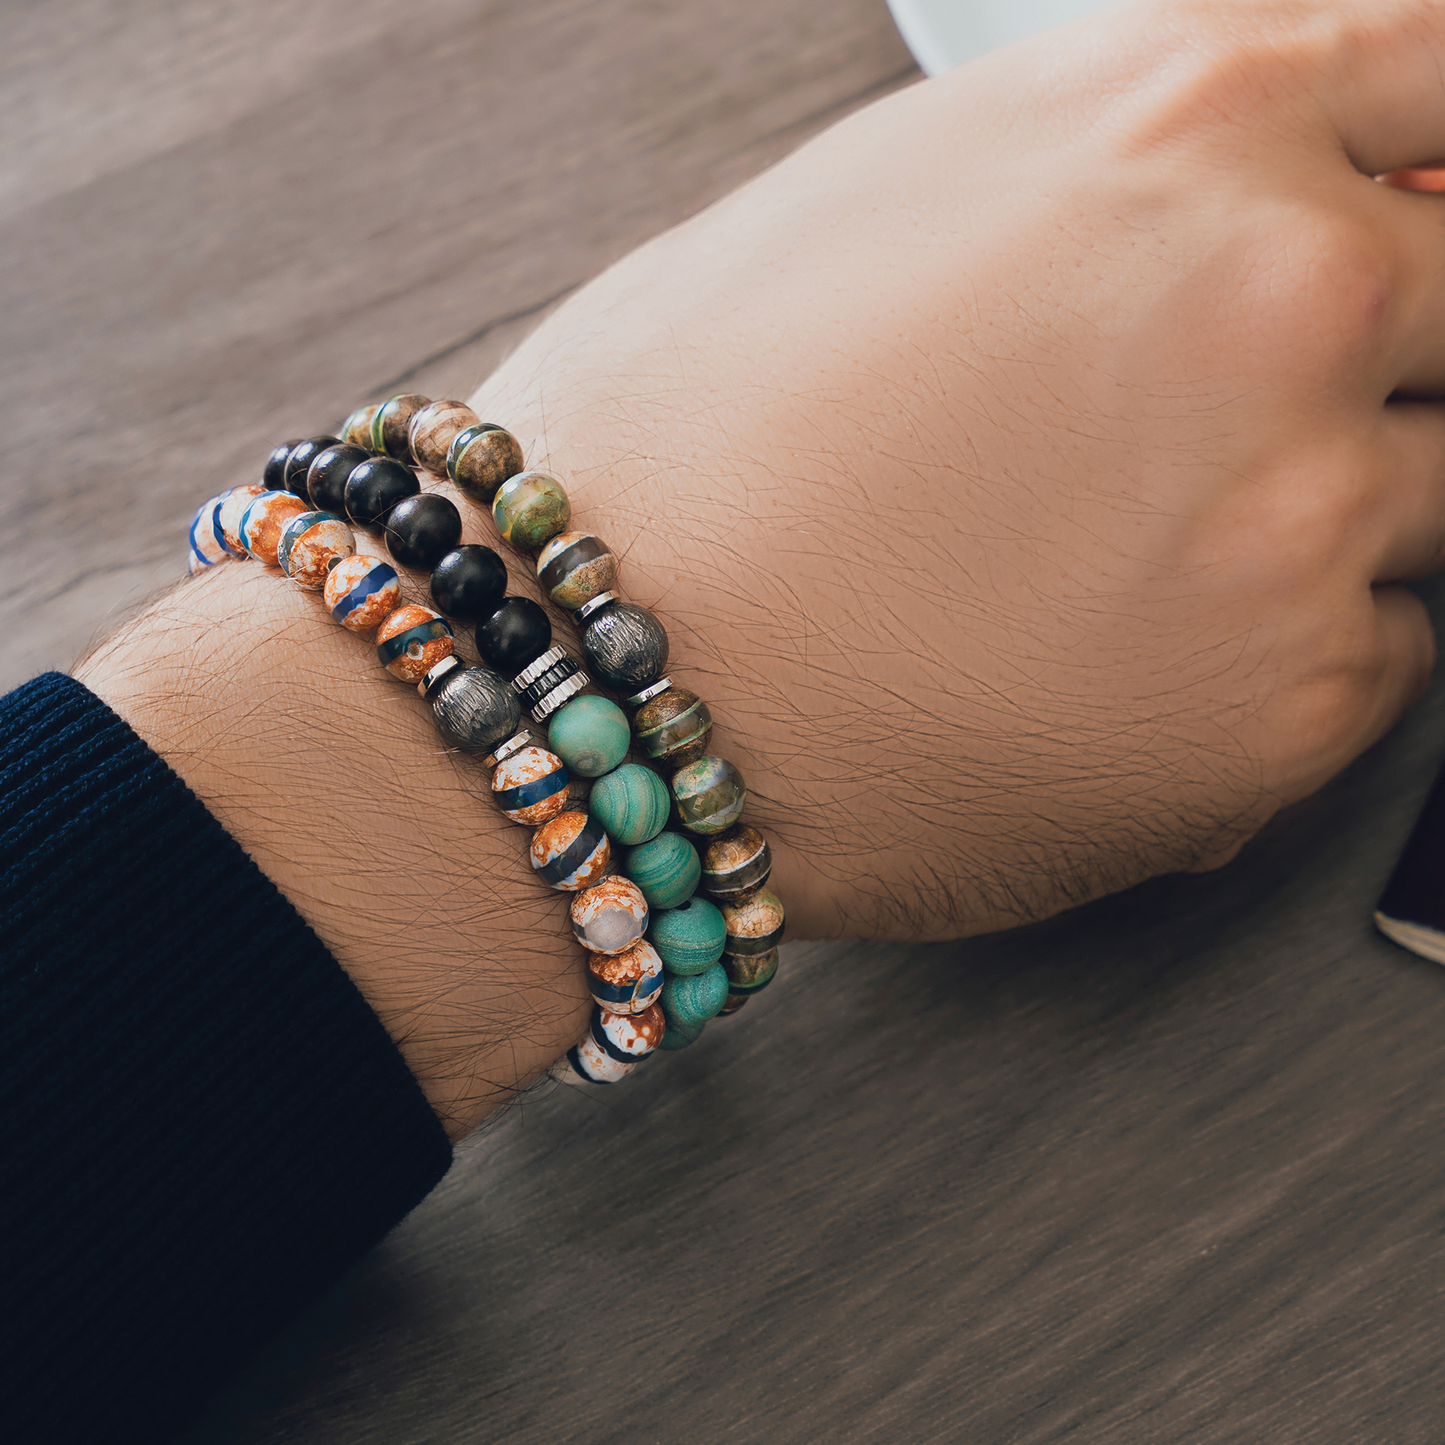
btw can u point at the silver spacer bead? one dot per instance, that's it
(434, 675)
(648, 693)
(533, 670)
(514, 744)
(594, 604)
(559, 694)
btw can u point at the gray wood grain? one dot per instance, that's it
(1165, 1170)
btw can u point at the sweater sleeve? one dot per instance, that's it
(202, 1123)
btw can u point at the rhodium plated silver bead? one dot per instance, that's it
(434, 676)
(594, 604)
(534, 670)
(514, 744)
(474, 708)
(648, 693)
(578, 682)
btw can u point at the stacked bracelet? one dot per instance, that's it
(661, 961)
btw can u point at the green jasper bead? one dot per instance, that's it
(750, 973)
(694, 999)
(690, 938)
(679, 1036)
(667, 870)
(632, 802)
(710, 794)
(590, 735)
(530, 508)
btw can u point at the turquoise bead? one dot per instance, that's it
(632, 802)
(666, 869)
(690, 939)
(695, 999)
(590, 735)
(679, 1036)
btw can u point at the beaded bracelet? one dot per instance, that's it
(661, 961)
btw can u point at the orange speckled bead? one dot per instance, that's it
(311, 545)
(412, 641)
(610, 916)
(530, 787)
(229, 513)
(626, 982)
(434, 428)
(571, 852)
(263, 520)
(361, 592)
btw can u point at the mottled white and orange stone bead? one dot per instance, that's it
(626, 982)
(530, 787)
(610, 916)
(412, 640)
(229, 513)
(628, 1037)
(205, 536)
(311, 545)
(571, 852)
(263, 520)
(361, 592)
(593, 1063)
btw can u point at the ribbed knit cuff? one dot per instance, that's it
(202, 1123)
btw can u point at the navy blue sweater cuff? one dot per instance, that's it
(202, 1123)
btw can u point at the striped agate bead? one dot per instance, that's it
(204, 537)
(754, 925)
(610, 916)
(673, 728)
(626, 982)
(574, 567)
(736, 864)
(391, 426)
(571, 852)
(689, 938)
(632, 802)
(666, 869)
(529, 509)
(530, 787)
(412, 640)
(262, 521)
(481, 458)
(432, 431)
(594, 1064)
(709, 794)
(695, 998)
(356, 429)
(311, 545)
(749, 973)
(361, 592)
(628, 1038)
(229, 513)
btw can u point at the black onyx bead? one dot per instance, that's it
(421, 530)
(625, 647)
(327, 474)
(517, 633)
(475, 709)
(375, 487)
(469, 583)
(273, 474)
(298, 463)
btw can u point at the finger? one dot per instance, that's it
(1406, 502)
(1407, 230)
(1407, 657)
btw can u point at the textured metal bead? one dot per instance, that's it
(474, 708)
(695, 998)
(628, 1038)
(673, 728)
(749, 973)
(594, 1064)
(356, 429)
(571, 852)
(311, 545)
(626, 982)
(543, 675)
(625, 647)
(481, 458)
(755, 925)
(529, 509)
(690, 938)
(263, 520)
(530, 787)
(412, 640)
(610, 916)
(204, 537)
(632, 802)
(432, 431)
(666, 869)
(736, 864)
(391, 426)
(361, 592)
(709, 795)
(574, 567)
(232, 508)
(590, 734)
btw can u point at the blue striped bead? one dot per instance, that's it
(530, 787)
(361, 592)
(571, 852)
(626, 982)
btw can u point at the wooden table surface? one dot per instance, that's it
(1168, 1169)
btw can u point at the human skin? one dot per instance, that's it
(1023, 470)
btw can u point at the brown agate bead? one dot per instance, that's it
(433, 430)
(755, 925)
(673, 728)
(391, 426)
(481, 458)
(736, 864)
(356, 429)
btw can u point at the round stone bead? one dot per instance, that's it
(666, 869)
(530, 787)
(530, 508)
(754, 925)
(421, 530)
(690, 938)
(517, 633)
(361, 592)
(391, 426)
(574, 567)
(434, 428)
(474, 709)
(411, 642)
(673, 728)
(709, 794)
(374, 488)
(590, 734)
(749, 973)
(356, 429)
(626, 982)
(736, 864)
(610, 916)
(627, 1037)
(229, 512)
(273, 474)
(625, 646)
(206, 545)
(327, 476)
(298, 463)
(695, 998)
(591, 1062)
(311, 545)
(481, 458)
(734, 1003)
(571, 852)
(679, 1036)
(263, 520)
(469, 583)
(632, 802)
